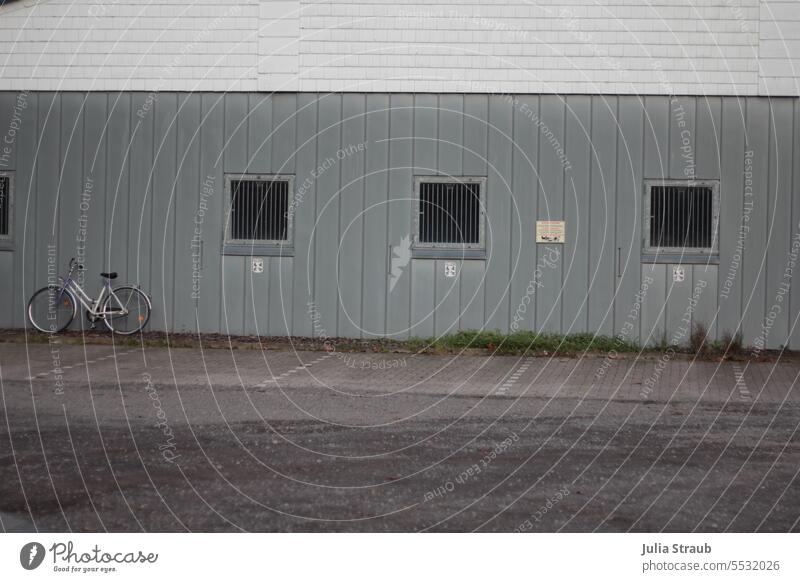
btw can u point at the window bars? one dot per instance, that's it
(449, 214)
(5, 205)
(681, 217)
(259, 210)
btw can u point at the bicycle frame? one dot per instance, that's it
(91, 305)
(113, 306)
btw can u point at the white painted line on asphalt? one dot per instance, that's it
(741, 385)
(291, 371)
(512, 380)
(41, 375)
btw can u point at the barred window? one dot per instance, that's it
(449, 213)
(258, 211)
(681, 216)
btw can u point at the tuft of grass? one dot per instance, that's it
(524, 342)
(495, 342)
(697, 339)
(733, 342)
(730, 345)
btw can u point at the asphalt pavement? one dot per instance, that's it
(105, 438)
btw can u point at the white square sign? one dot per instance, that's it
(257, 265)
(550, 231)
(450, 269)
(678, 274)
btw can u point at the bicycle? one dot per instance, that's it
(124, 310)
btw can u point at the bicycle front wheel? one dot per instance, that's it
(126, 310)
(52, 309)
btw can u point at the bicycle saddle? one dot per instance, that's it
(108, 275)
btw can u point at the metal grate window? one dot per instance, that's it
(449, 213)
(259, 210)
(5, 205)
(681, 217)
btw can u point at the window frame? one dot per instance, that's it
(7, 240)
(670, 254)
(254, 247)
(448, 250)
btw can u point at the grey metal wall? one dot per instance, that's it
(145, 159)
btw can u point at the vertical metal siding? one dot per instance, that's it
(376, 212)
(141, 194)
(401, 184)
(25, 145)
(602, 204)
(794, 295)
(117, 189)
(524, 184)
(277, 283)
(754, 259)
(47, 170)
(473, 163)
(212, 135)
(423, 272)
(162, 266)
(708, 144)
(297, 320)
(499, 154)
(235, 158)
(186, 191)
(259, 138)
(551, 207)
(576, 213)
(325, 297)
(351, 220)
(71, 183)
(732, 200)
(627, 256)
(779, 219)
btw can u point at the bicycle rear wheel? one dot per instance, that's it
(52, 309)
(127, 310)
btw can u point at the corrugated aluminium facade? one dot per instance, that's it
(136, 182)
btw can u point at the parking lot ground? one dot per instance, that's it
(98, 438)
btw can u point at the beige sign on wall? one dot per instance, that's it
(550, 231)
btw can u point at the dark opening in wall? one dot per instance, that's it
(681, 217)
(6, 186)
(449, 212)
(259, 210)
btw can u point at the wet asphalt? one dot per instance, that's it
(95, 438)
